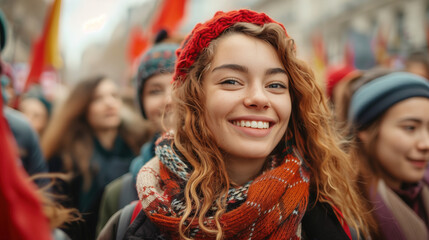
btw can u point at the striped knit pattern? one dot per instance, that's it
(204, 33)
(273, 205)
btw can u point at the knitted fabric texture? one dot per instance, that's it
(269, 207)
(375, 97)
(204, 33)
(157, 60)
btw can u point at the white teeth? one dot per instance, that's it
(252, 124)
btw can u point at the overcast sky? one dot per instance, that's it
(86, 21)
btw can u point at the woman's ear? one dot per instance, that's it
(363, 136)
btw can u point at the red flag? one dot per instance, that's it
(138, 42)
(21, 215)
(45, 50)
(170, 16)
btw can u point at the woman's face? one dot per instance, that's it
(403, 142)
(104, 110)
(156, 97)
(36, 112)
(247, 97)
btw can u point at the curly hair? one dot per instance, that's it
(310, 124)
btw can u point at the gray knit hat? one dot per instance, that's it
(161, 58)
(375, 97)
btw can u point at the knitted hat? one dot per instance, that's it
(375, 97)
(158, 59)
(3, 31)
(204, 33)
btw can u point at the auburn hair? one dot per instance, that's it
(311, 125)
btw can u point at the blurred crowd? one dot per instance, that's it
(84, 149)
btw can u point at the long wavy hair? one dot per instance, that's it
(69, 134)
(310, 124)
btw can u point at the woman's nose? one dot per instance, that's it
(256, 97)
(111, 101)
(423, 142)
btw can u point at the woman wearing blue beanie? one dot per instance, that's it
(153, 84)
(390, 118)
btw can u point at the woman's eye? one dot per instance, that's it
(115, 95)
(230, 81)
(409, 128)
(155, 92)
(276, 85)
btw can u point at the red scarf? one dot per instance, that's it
(273, 208)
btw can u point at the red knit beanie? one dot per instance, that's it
(204, 33)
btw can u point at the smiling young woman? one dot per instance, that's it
(253, 143)
(91, 140)
(391, 127)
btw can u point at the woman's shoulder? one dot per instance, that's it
(321, 222)
(143, 228)
(130, 223)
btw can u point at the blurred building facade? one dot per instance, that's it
(25, 21)
(371, 31)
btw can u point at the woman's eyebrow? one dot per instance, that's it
(244, 69)
(234, 67)
(273, 71)
(410, 119)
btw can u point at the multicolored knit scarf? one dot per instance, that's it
(269, 207)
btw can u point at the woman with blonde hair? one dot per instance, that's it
(90, 138)
(253, 141)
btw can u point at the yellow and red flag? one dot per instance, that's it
(46, 50)
(380, 48)
(320, 60)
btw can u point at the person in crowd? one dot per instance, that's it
(390, 123)
(36, 108)
(344, 91)
(90, 139)
(418, 63)
(337, 78)
(30, 154)
(335, 74)
(7, 79)
(253, 153)
(27, 212)
(153, 81)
